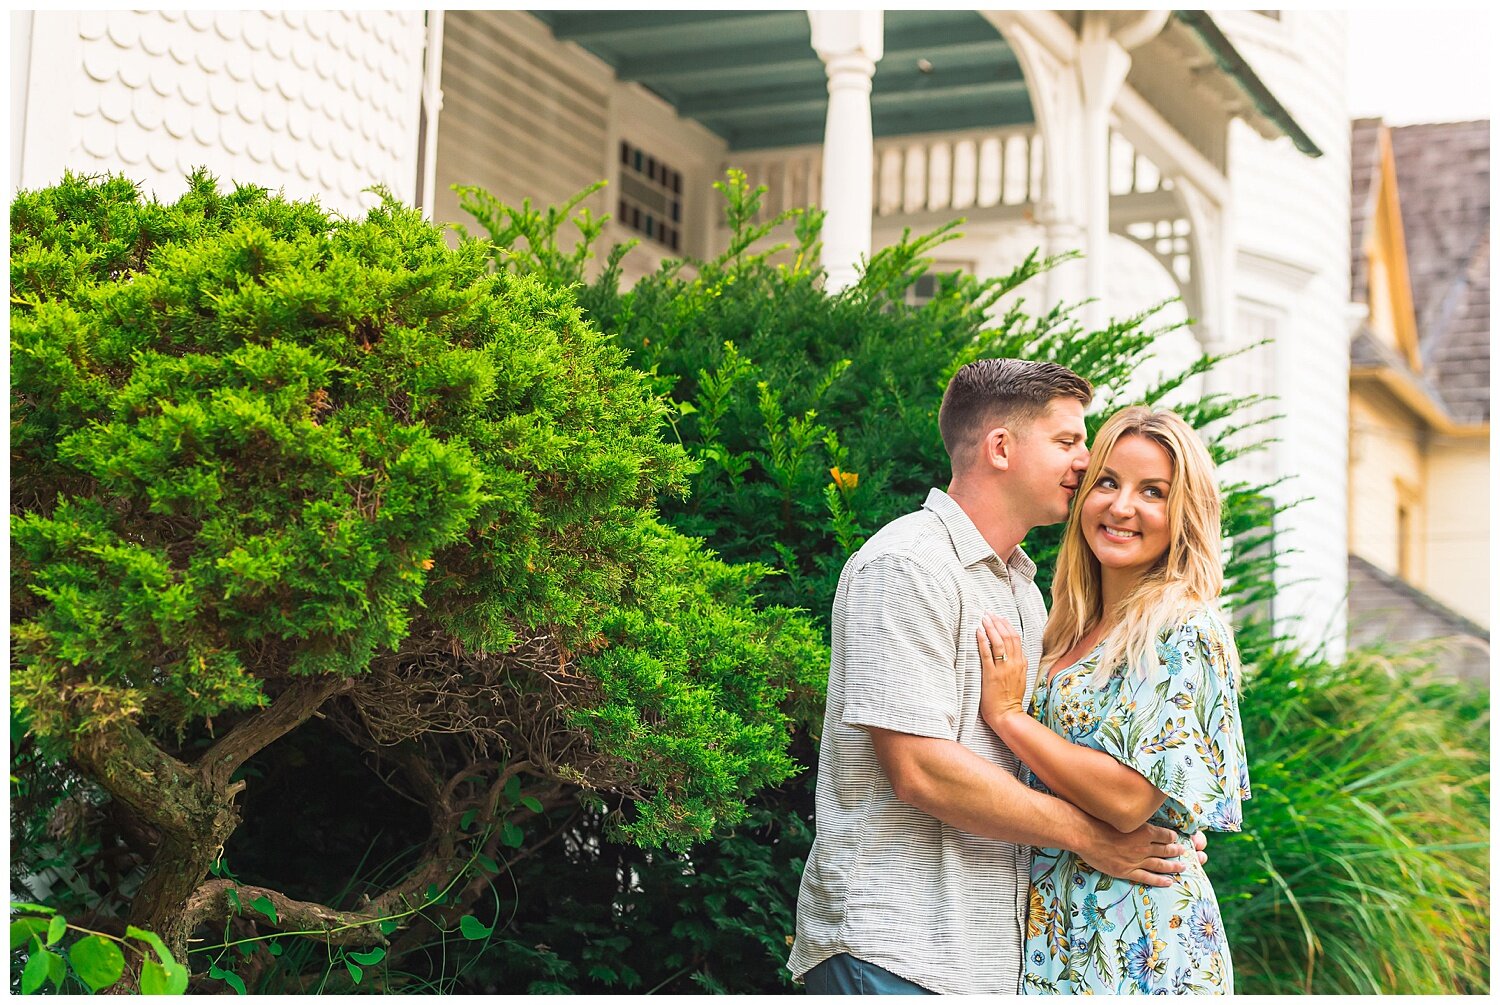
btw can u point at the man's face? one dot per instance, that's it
(1048, 460)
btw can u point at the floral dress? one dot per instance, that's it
(1179, 726)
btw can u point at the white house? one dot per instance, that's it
(1184, 153)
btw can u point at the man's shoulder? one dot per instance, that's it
(915, 545)
(919, 537)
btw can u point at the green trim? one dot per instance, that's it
(1233, 64)
(753, 78)
(1008, 109)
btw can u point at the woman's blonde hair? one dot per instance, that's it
(1188, 576)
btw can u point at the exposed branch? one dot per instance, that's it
(334, 926)
(318, 921)
(194, 820)
(290, 709)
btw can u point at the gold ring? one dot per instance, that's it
(1002, 656)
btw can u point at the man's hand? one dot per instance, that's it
(1200, 842)
(1147, 855)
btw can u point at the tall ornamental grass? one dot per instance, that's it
(1364, 864)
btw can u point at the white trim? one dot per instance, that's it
(1155, 137)
(432, 105)
(20, 68)
(49, 98)
(1291, 275)
(1046, 26)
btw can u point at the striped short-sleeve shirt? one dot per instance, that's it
(884, 881)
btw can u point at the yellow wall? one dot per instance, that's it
(1385, 454)
(1458, 525)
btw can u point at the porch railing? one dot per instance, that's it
(956, 173)
(927, 173)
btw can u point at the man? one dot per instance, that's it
(919, 877)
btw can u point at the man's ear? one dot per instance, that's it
(999, 448)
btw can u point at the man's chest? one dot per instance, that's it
(984, 590)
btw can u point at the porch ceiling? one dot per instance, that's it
(753, 78)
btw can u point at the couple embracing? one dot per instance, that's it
(1011, 803)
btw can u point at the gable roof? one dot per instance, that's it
(1442, 181)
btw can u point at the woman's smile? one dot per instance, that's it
(1127, 505)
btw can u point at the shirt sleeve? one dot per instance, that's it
(900, 640)
(1179, 726)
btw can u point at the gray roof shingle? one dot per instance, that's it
(1383, 608)
(1443, 177)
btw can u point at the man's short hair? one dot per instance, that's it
(1002, 392)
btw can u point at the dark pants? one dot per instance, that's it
(848, 975)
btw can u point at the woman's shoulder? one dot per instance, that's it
(1199, 621)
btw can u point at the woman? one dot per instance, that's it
(1136, 714)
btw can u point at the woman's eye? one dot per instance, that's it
(1105, 482)
(1154, 492)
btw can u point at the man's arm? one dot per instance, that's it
(950, 782)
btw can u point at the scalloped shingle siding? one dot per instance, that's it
(319, 103)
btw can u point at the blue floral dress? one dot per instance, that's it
(1179, 726)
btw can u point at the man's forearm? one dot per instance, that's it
(962, 789)
(955, 785)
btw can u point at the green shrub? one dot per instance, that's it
(268, 463)
(813, 419)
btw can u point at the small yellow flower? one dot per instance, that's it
(848, 481)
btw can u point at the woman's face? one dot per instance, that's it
(1124, 516)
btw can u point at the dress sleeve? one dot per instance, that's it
(1179, 726)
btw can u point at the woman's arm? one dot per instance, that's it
(1090, 779)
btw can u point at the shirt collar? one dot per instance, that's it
(968, 543)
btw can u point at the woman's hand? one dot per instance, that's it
(1002, 687)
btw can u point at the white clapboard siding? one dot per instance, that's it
(1291, 228)
(522, 116)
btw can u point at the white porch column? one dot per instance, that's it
(849, 43)
(1047, 50)
(1103, 62)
